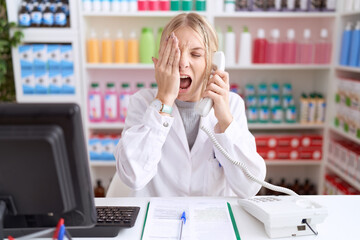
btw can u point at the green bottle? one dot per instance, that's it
(147, 45)
(175, 5)
(200, 5)
(158, 39)
(186, 5)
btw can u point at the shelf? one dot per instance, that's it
(276, 15)
(160, 14)
(102, 163)
(348, 69)
(47, 99)
(287, 126)
(48, 35)
(280, 67)
(345, 135)
(350, 13)
(106, 66)
(345, 177)
(293, 162)
(106, 125)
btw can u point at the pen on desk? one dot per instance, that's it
(183, 221)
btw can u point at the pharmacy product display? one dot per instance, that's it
(301, 187)
(47, 69)
(350, 45)
(43, 13)
(334, 185)
(101, 146)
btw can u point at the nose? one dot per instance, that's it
(184, 61)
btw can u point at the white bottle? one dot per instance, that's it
(348, 5)
(230, 6)
(124, 6)
(356, 5)
(220, 39)
(96, 5)
(230, 47)
(219, 6)
(245, 47)
(115, 5)
(132, 5)
(105, 5)
(87, 5)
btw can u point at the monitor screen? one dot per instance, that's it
(44, 171)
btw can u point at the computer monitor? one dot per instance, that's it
(44, 171)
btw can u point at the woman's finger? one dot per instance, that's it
(172, 53)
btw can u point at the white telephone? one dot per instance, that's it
(204, 106)
(283, 216)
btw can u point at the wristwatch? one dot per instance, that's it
(160, 107)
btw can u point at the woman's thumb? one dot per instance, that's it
(155, 61)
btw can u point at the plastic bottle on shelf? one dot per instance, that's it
(48, 16)
(230, 6)
(230, 47)
(306, 48)
(323, 48)
(164, 5)
(124, 6)
(260, 47)
(99, 190)
(345, 45)
(132, 6)
(220, 36)
(60, 16)
(355, 46)
(96, 5)
(93, 51)
(111, 103)
(95, 103)
(302, 6)
(219, 6)
(115, 5)
(289, 47)
(356, 6)
(105, 5)
(106, 48)
(133, 48)
(200, 5)
(24, 16)
(274, 53)
(87, 5)
(147, 45)
(124, 98)
(53, 5)
(186, 5)
(245, 47)
(119, 48)
(153, 5)
(158, 40)
(143, 5)
(36, 15)
(174, 5)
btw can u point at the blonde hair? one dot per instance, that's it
(200, 25)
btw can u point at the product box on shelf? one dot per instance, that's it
(287, 153)
(289, 141)
(101, 147)
(54, 64)
(40, 68)
(310, 153)
(67, 69)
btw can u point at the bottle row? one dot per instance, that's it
(110, 105)
(47, 69)
(350, 45)
(126, 6)
(274, 49)
(305, 188)
(277, 5)
(351, 5)
(334, 185)
(102, 146)
(345, 155)
(119, 50)
(347, 108)
(44, 13)
(289, 147)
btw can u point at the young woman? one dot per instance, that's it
(162, 152)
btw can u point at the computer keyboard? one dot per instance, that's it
(110, 219)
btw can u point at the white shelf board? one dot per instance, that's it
(102, 163)
(47, 98)
(106, 125)
(48, 35)
(119, 66)
(350, 13)
(293, 162)
(345, 135)
(138, 14)
(280, 67)
(289, 126)
(348, 69)
(276, 15)
(345, 177)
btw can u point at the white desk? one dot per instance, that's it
(342, 221)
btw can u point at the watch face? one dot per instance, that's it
(157, 104)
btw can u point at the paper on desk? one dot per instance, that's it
(205, 219)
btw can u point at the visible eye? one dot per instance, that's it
(196, 55)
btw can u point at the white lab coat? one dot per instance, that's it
(153, 156)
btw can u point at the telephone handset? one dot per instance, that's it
(204, 106)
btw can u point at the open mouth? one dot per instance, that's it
(185, 82)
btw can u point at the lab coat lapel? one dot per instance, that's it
(179, 129)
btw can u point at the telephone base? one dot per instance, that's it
(290, 231)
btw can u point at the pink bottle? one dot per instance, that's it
(153, 5)
(111, 104)
(306, 48)
(95, 104)
(323, 48)
(164, 5)
(143, 5)
(289, 48)
(274, 53)
(124, 99)
(260, 47)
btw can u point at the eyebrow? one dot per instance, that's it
(198, 48)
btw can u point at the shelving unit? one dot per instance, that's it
(304, 78)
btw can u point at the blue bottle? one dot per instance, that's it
(345, 45)
(355, 46)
